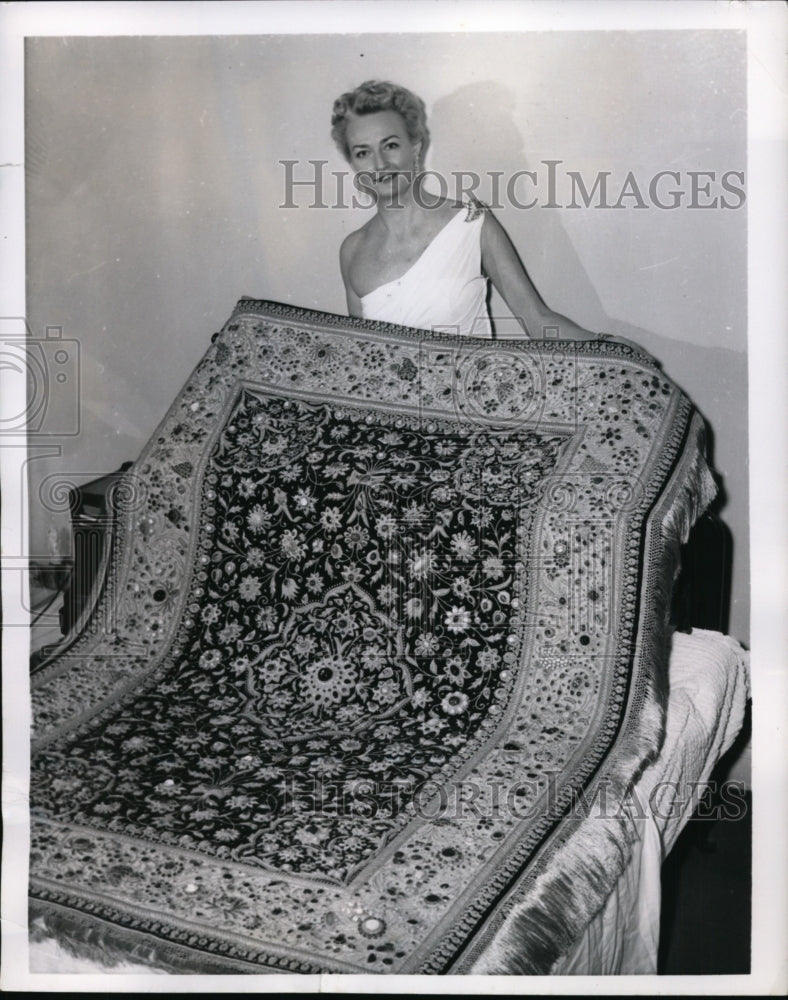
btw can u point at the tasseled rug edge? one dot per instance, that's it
(543, 926)
(582, 872)
(88, 938)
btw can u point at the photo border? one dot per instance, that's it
(767, 168)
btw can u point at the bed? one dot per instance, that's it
(473, 639)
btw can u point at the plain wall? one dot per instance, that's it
(154, 187)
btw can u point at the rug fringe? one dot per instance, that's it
(110, 947)
(697, 491)
(542, 928)
(582, 873)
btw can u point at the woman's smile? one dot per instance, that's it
(381, 152)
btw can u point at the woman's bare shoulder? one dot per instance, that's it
(350, 245)
(354, 240)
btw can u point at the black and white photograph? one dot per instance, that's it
(393, 470)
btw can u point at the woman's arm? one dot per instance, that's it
(505, 269)
(345, 256)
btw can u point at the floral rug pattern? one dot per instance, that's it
(381, 604)
(350, 634)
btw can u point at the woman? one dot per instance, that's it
(422, 260)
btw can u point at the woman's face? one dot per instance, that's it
(382, 154)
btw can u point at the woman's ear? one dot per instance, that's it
(417, 146)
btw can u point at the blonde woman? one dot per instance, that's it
(422, 260)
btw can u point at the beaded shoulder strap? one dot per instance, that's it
(475, 208)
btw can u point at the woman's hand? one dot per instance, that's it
(502, 265)
(548, 325)
(554, 326)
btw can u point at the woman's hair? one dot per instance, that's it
(379, 95)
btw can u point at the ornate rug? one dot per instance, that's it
(387, 609)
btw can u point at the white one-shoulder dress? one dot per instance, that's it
(444, 289)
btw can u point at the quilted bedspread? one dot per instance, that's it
(382, 646)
